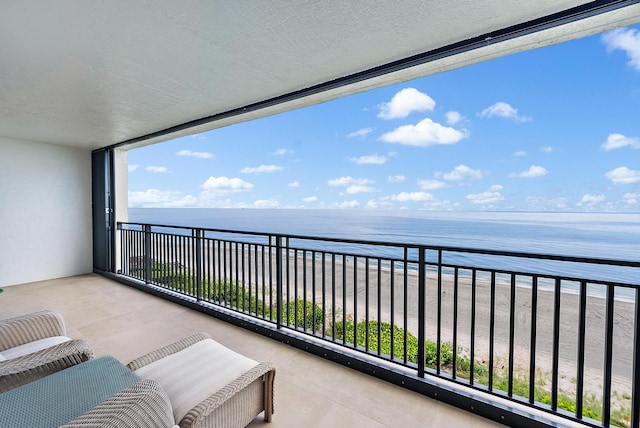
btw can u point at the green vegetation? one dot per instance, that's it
(376, 336)
(384, 341)
(169, 275)
(304, 314)
(235, 296)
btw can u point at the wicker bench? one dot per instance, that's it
(35, 345)
(208, 384)
(101, 392)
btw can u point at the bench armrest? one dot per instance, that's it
(31, 327)
(22, 370)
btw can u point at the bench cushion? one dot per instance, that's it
(195, 373)
(63, 396)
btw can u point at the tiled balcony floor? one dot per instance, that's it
(309, 391)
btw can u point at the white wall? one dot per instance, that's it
(45, 211)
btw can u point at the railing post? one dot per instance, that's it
(582, 328)
(532, 338)
(635, 394)
(439, 316)
(198, 237)
(119, 248)
(608, 356)
(147, 253)
(279, 281)
(422, 292)
(556, 346)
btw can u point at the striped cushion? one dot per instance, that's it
(192, 375)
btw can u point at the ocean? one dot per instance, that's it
(594, 235)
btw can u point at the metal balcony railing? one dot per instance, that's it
(552, 333)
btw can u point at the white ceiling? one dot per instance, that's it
(96, 73)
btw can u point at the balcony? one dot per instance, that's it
(124, 322)
(77, 96)
(515, 337)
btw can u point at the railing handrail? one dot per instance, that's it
(454, 249)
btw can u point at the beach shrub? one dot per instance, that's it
(591, 405)
(236, 296)
(304, 314)
(167, 275)
(384, 340)
(174, 277)
(446, 355)
(358, 334)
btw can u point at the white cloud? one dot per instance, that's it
(413, 197)
(616, 141)
(461, 172)
(423, 134)
(502, 109)
(533, 172)
(348, 204)
(627, 40)
(310, 199)
(358, 188)
(631, 198)
(378, 204)
(227, 185)
(591, 199)
(348, 181)
(282, 152)
(261, 169)
(266, 203)
(360, 133)
(404, 103)
(294, 184)
(396, 178)
(215, 201)
(485, 198)
(157, 169)
(547, 149)
(154, 198)
(132, 168)
(623, 175)
(453, 117)
(431, 184)
(201, 155)
(370, 160)
(495, 188)
(520, 153)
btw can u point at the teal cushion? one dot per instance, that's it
(54, 400)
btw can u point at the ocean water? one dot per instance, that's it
(594, 235)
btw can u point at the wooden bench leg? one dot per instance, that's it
(268, 395)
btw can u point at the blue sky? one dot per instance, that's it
(555, 129)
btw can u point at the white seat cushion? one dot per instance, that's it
(28, 348)
(192, 375)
